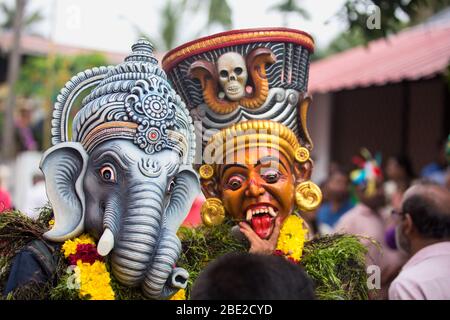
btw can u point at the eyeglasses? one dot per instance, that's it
(397, 214)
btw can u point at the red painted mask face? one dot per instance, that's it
(258, 188)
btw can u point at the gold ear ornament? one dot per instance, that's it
(308, 196)
(206, 171)
(301, 154)
(212, 212)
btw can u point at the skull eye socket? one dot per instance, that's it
(238, 70)
(224, 73)
(108, 174)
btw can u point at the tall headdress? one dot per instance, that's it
(243, 88)
(132, 100)
(251, 74)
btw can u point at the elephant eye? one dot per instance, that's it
(107, 174)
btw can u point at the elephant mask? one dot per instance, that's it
(125, 176)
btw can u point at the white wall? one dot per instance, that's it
(26, 165)
(319, 125)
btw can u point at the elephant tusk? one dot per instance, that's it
(106, 243)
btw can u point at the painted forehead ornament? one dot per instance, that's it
(133, 100)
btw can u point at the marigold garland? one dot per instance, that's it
(95, 281)
(91, 276)
(70, 246)
(180, 295)
(292, 238)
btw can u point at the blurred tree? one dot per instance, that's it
(219, 13)
(173, 14)
(42, 78)
(345, 40)
(8, 143)
(38, 71)
(288, 8)
(29, 19)
(393, 15)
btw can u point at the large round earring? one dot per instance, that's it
(308, 196)
(206, 171)
(212, 212)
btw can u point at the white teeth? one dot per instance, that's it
(272, 212)
(249, 214)
(264, 210)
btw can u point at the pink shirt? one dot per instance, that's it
(361, 220)
(426, 276)
(5, 200)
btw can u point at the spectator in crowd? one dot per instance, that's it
(245, 276)
(37, 197)
(5, 197)
(25, 138)
(423, 231)
(437, 170)
(338, 201)
(367, 219)
(399, 174)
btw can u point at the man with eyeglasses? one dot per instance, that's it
(423, 231)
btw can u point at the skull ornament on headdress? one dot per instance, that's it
(232, 75)
(125, 174)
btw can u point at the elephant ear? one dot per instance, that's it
(64, 167)
(187, 188)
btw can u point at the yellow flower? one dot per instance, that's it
(95, 281)
(292, 237)
(180, 295)
(51, 223)
(70, 246)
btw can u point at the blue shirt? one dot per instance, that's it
(325, 214)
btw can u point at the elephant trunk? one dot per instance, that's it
(139, 234)
(162, 279)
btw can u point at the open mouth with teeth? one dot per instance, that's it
(233, 89)
(262, 219)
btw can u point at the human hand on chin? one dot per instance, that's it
(258, 245)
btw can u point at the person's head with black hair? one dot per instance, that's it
(245, 276)
(424, 218)
(399, 168)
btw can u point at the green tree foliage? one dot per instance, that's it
(44, 76)
(8, 13)
(171, 13)
(394, 15)
(174, 14)
(219, 13)
(288, 8)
